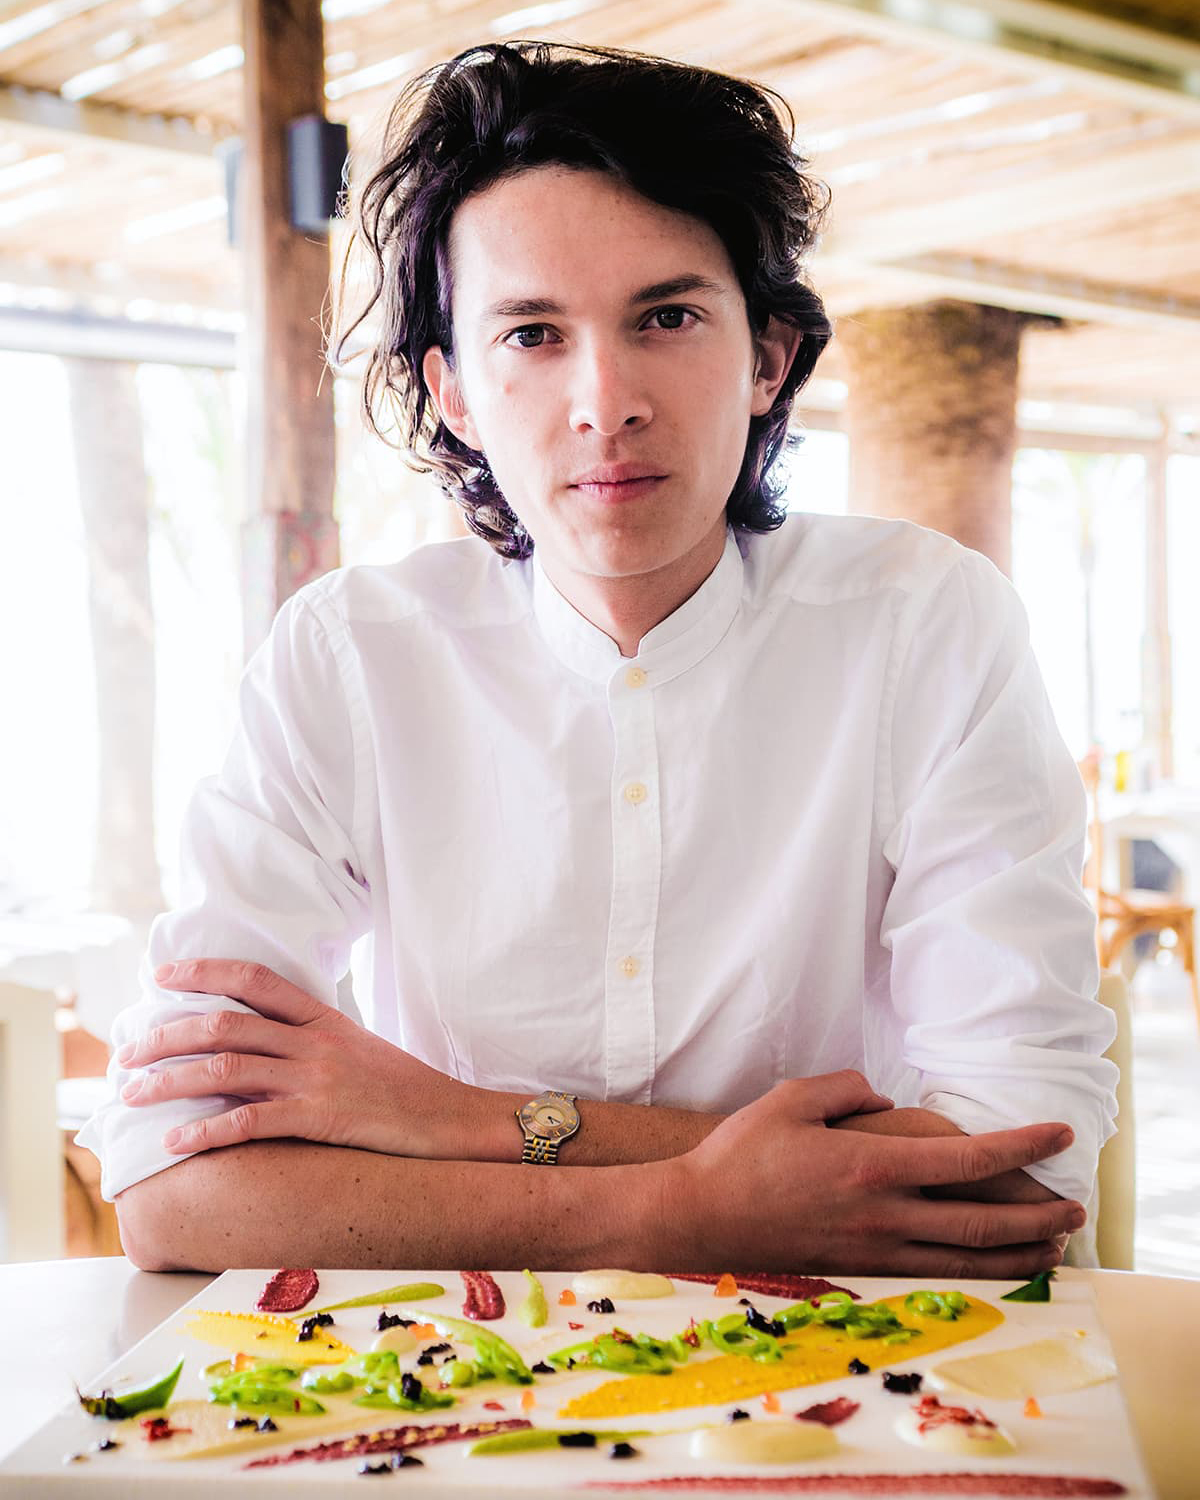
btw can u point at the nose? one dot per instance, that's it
(606, 394)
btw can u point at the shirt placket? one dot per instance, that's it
(637, 870)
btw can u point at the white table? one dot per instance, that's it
(1168, 816)
(67, 1320)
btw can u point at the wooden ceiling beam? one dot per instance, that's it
(1053, 192)
(976, 279)
(40, 109)
(1149, 68)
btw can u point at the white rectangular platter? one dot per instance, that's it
(1082, 1434)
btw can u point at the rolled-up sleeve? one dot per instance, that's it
(992, 938)
(271, 870)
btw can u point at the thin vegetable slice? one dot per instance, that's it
(268, 1337)
(144, 1398)
(1037, 1290)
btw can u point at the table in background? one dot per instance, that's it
(69, 1320)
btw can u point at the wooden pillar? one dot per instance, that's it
(290, 532)
(931, 417)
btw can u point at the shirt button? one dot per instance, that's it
(635, 677)
(630, 967)
(635, 792)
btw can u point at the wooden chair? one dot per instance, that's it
(1126, 914)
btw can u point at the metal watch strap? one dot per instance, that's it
(539, 1152)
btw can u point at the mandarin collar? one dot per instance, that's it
(676, 644)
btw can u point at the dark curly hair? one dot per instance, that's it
(688, 138)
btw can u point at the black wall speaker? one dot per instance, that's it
(317, 152)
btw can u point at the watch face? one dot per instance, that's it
(549, 1119)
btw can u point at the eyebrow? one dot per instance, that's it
(657, 291)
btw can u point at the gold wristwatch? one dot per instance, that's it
(547, 1121)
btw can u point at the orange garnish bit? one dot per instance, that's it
(528, 1400)
(566, 1298)
(770, 1402)
(1032, 1409)
(423, 1331)
(243, 1361)
(726, 1287)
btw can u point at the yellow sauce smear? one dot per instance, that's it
(811, 1355)
(267, 1337)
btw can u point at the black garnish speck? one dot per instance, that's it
(411, 1388)
(388, 1320)
(901, 1385)
(738, 1415)
(106, 1445)
(856, 1367)
(577, 1440)
(266, 1425)
(542, 1368)
(622, 1450)
(425, 1358)
(369, 1468)
(235, 1422)
(407, 1461)
(74, 1458)
(601, 1305)
(755, 1319)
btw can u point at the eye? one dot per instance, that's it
(532, 336)
(675, 315)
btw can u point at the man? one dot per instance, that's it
(668, 827)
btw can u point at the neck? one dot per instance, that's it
(628, 609)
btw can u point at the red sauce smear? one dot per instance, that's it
(931, 1413)
(288, 1291)
(157, 1429)
(829, 1413)
(1023, 1486)
(388, 1440)
(773, 1284)
(485, 1300)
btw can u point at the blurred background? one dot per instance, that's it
(1011, 266)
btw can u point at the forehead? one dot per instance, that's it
(572, 235)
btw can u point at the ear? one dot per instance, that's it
(444, 386)
(775, 349)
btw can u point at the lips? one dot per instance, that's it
(614, 474)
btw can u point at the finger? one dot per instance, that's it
(981, 1226)
(1011, 1263)
(832, 1096)
(255, 984)
(272, 1120)
(222, 1073)
(927, 1161)
(214, 1031)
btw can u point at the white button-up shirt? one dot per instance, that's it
(823, 819)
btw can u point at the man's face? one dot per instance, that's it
(594, 328)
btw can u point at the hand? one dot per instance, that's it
(301, 1068)
(778, 1190)
(1007, 1187)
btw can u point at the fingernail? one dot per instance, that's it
(126, 1052)
(132, 1088)
(165, 971)
(1064, 1137)
(1077, 1219)
(172, 1138)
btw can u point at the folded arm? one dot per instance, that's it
(771, 1187)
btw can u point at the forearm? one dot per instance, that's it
(609, 1135)
(295, 1203)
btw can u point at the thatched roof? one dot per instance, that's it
(1045, 157)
